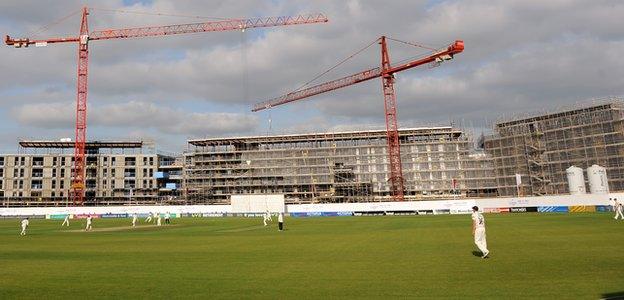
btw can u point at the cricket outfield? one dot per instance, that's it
(579, 256)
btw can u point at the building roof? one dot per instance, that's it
(93, 144)
(364, 134)
(594, 105)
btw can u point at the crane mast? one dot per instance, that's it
(77, 191)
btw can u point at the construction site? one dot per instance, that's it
(523, 156)
(541, 148)
(437, 162)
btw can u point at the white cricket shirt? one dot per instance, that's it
(478, 220)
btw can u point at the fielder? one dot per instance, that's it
(66, 221)
(478, 231)
(157, 219)
(619, 207)
(88, 227)
(25, 223)
(269, 216)
(266, 217)
(149, 218)
(134, 219)
(167, 218)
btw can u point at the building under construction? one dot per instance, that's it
(336, 167)
(540, 148)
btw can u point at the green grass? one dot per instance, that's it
(567, 256)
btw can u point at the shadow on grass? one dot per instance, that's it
(613, 296)
(477, 253)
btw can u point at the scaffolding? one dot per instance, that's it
(541, 148)
(336, 167)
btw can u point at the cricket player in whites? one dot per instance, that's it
(149, 218)
(478, 231)
(267, 217)
(134, 219)
(88, 227)
(618, 207)
(66, 221)
(25, 223)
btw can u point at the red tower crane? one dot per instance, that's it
(83, 39)
(386, 72)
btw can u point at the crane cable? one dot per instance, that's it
(50, 25)
(413, 44)
(335, 66)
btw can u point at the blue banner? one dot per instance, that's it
(562, 209)
(604, 208)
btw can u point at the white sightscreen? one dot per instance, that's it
(257, 203)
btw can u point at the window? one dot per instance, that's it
(53, 172)
(62, 184)
(62, 173)
(54, 184)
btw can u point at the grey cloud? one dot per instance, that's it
(519, 55)
(138, 115)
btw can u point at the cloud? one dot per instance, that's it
(135, 114)
(520, 55)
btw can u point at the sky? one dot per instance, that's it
(520, 56)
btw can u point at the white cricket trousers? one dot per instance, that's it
(65, 222)
(618, 212)
(479, 239)
(23, 230)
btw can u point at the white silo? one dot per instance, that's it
(597, 177)
(576, 180)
